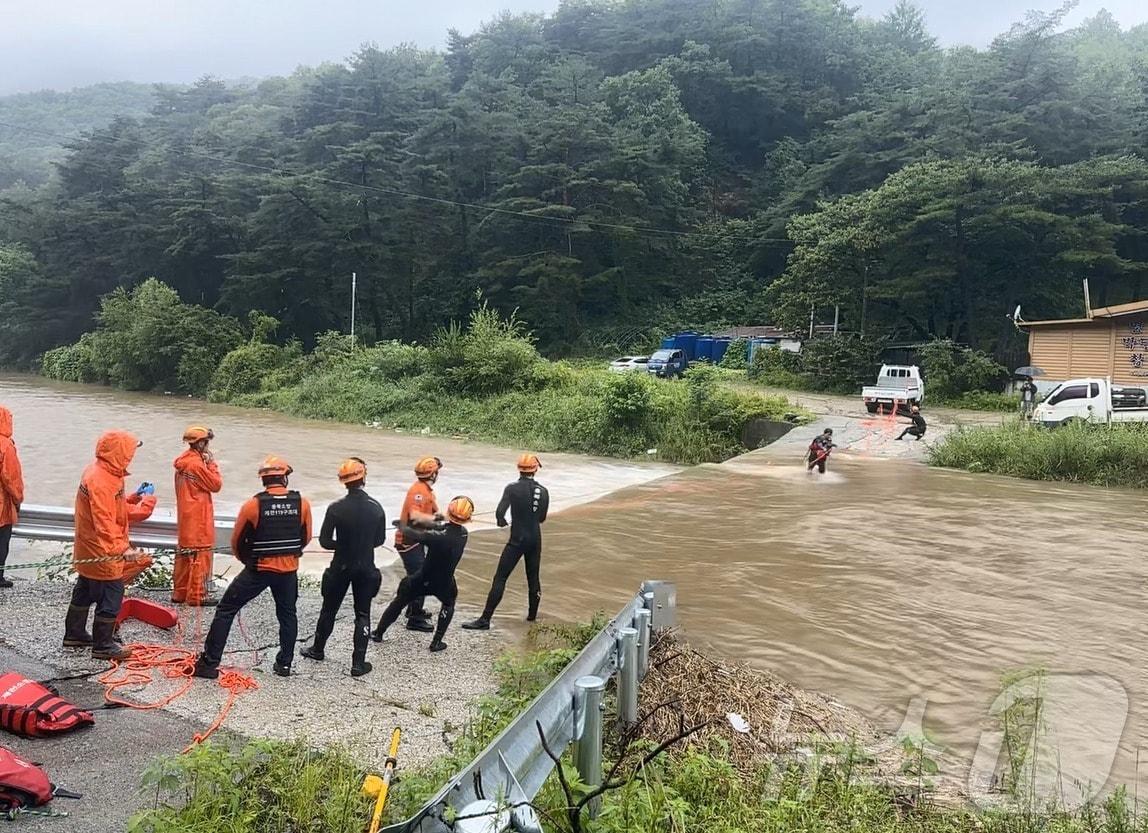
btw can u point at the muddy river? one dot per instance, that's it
(907, 592)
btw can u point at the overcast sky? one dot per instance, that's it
(66, 43)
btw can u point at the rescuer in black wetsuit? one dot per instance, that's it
(917, 429)
(352, 527)
(528, 502)
(444, 548)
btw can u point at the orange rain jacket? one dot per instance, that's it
(11, 475)
(249, 517)
(195, 482)
(102, 509)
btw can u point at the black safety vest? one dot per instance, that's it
(280, 527)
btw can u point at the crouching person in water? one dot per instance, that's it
(444, 547)
(271, 530)
(103, 556)
(819, 450)
(352, 527)
(919, 426)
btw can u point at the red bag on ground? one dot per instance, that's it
(22, 784)
(32, 710)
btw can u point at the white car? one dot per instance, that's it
(628, 364)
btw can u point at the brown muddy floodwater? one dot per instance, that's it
(904, 591)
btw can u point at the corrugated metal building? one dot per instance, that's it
(1110, 342)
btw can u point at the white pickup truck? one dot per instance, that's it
(1092, 400)
(897, 384)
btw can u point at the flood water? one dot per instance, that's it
(885, 583)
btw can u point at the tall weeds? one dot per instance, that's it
(1100, 455)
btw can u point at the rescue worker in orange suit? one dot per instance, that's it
(419, 507)
(444, 545)
(11, 489)
(197, 478)
(528, 502)
(102, 515)
(271, 531)
(352, 527)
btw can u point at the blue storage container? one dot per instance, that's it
(687, 342)
(668, 343)
(717, 351)
(704, 349)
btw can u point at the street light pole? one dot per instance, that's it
(354, 288)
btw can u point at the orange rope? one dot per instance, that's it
(174, 663)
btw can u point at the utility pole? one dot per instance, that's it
(354, 289)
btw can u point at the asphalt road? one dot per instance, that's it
(104, 762)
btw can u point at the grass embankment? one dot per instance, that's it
(488, 382)
(1099, 455)
(716, 781)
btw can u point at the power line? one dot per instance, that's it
(553, 221)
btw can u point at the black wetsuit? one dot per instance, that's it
(444, 548)
(917, 429)
(353, 527)
(528, 502)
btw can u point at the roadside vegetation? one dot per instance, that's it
(1114, 455)
(955, 376)
(484, 380)
(703, 781)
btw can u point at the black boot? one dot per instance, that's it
(104, 645)
(205, 670)
(444, 617)
(359, 664)
(76, 628)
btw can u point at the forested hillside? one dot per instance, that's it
(27, 153)
(615, 167)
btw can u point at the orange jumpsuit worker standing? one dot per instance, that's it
(11, 488)
(197, 478)
(420, 507)
(271, 532)
(102, 516)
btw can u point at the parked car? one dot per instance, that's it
(896, 384)
(628, 364)
(666, 364)
(1092, 400)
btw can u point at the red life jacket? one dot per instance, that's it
(22, 784)
(35, 711)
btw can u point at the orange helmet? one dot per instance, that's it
(460, 509)
(195, 433)
(529, 463)
(352, 469)
(427, 467)
(275, 467)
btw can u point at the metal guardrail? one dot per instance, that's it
(513, 768)
(510, 772)
(57, 523)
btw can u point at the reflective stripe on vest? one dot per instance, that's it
(280, 528)
(31, 710)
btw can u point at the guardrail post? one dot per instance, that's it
(642, 623)
(588, 754)
(628, 676)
